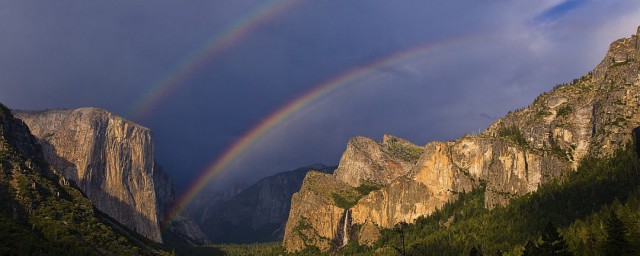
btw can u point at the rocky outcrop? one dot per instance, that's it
(187, 230)
(315, 218)
(111, 161)
(508, 169)
(366, 160)
(368, 234)
(15, 135)
(259, 212)
(401, 201)
(591, 116)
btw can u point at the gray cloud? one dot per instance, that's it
(481, 60)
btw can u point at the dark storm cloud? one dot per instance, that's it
(483, 59)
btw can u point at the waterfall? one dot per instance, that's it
(345, 228)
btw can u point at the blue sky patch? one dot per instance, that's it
(560, 10)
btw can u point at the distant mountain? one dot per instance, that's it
(209, 198)
(381, 184)
(256, 214)
(112, 161)
(43, 213)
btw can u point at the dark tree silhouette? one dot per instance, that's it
(617, 243)
(400, 228)
(475, 252)
(530, 249)
(552, 242)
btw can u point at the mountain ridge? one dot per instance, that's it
(592, 116)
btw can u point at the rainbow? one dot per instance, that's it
(301, 105)
(214, 45)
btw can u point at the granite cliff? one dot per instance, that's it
(592, 116)
(42, 212)
(110, 159)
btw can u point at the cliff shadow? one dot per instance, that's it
(636, 139)
(117, 210)
(65, 167)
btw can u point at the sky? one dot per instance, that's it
(202, 74)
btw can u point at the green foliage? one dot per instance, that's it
(179, 246)
(303, 224)
(475, 252)
(579, 83)
(366, 188)
(252, 249)
(17, 239)
(71, 224)
(349, 198)
(346, 199)
(257, 249)
(578, 206)
(598, 235)
(310, 250)
(543, 112)
(407, 153)
(619, 121)
(552, 243)
(564, 110)
(513, 133)
(530, 249)
(353, 248)
(556, 149)
(618, 64)
(616, 241)
(41, 217)
(427, 234)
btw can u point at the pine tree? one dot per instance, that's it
(475, 252)
(530, 249)
(616, 242)
(552, 242)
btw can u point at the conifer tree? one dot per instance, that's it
(552, 242)
(530, 249)
(475, 252)
(616, 242)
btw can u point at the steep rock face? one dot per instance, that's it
(591, 116)
(15, 135)
(448, 168)
(165, 190)
(508, 170)
(109, 158)
(315, 219)
(187, 230)
(369, 234)
(401, 201)
(369, 160)
(258, 213)
(42, 212)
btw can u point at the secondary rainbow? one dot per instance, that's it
(214, 45)
(295, 106)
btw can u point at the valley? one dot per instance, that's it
(560, 176)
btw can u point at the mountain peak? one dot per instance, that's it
(592, 116)
(109, 158)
